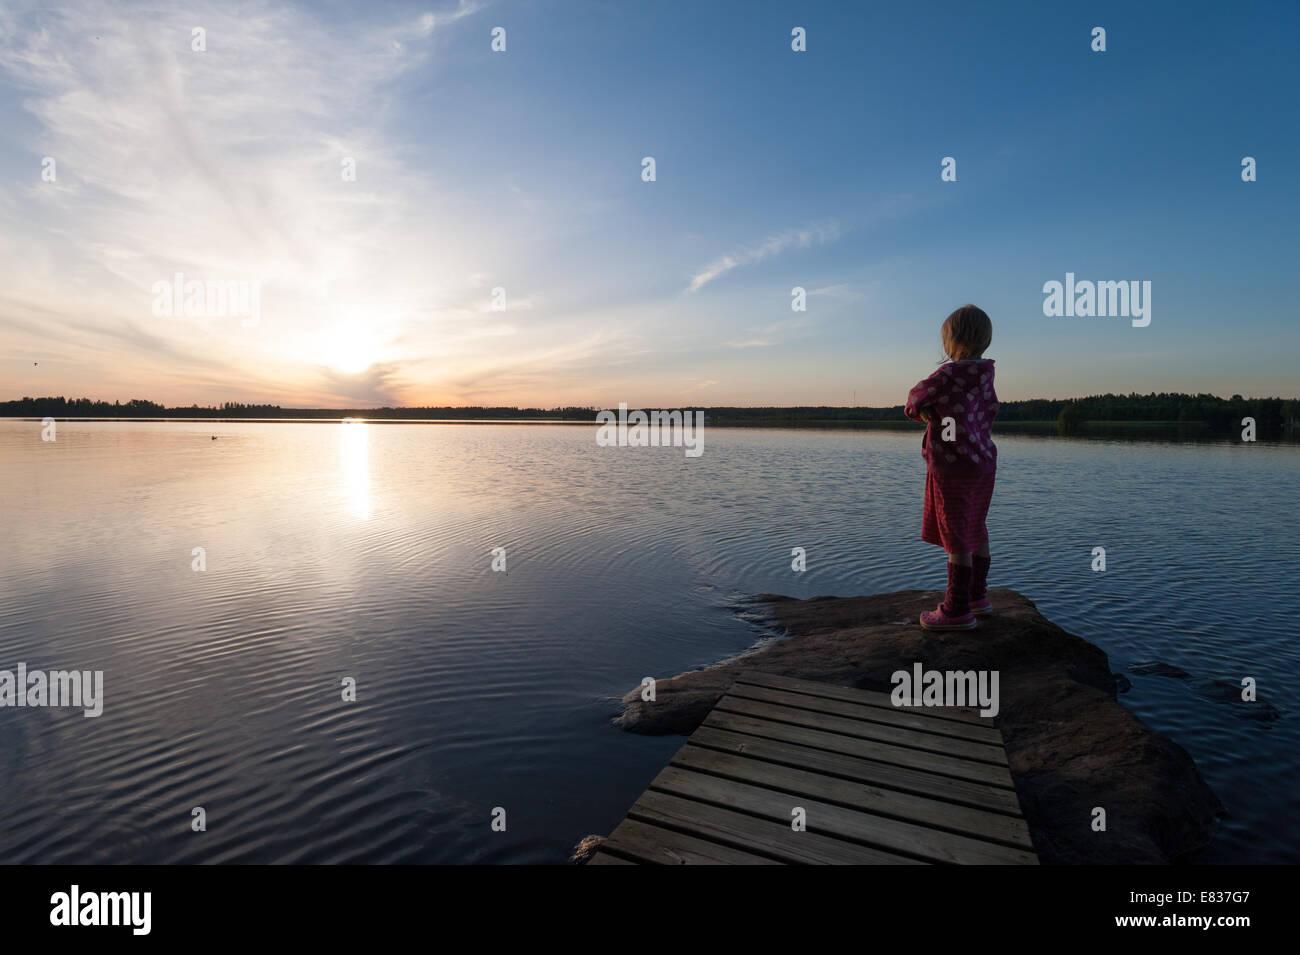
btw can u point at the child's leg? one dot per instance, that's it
(954, 613)
(956, 602)
(944, 521)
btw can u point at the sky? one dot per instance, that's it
(499, 243)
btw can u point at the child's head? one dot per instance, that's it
(967, 333)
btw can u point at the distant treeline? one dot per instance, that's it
(140, 408)
(1207, 410)
(1210, 410)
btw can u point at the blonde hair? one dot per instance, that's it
(967, 333)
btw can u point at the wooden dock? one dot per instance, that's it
(879, 784)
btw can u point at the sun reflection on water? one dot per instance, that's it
(355, 447)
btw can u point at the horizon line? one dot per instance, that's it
(594, 407)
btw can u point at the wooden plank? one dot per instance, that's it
(657, 846)
(890, 835)
(963, 714)
(604, 858)
(746, 832)
(913, 739)
(899, 778)
(929, 812)
(878, 785)
(866, 749)
(894, 716)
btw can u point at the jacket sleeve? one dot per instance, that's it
(920, 396)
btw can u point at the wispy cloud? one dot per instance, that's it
(843, 292)
(765, 336)
(769, 247)
(222, 164)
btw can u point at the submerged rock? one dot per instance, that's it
(1071, 746)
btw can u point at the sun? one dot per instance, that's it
(349, 347)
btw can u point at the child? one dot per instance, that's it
(958, 405)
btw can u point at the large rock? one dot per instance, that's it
(1071, 746)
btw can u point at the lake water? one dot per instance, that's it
(364, 551)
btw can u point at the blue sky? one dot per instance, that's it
(521, 170)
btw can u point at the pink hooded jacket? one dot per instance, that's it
(962, 391)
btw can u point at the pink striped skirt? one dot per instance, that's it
(955, 508)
